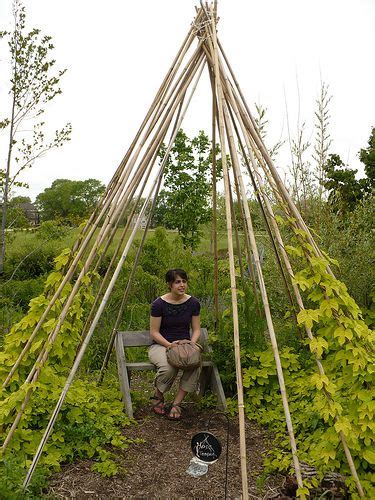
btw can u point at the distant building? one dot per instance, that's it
(31, 212)
(143, 223)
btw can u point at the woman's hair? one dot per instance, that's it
(172, 274)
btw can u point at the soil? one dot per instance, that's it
(156, 467)
(155, 464)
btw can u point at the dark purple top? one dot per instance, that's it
(175, 318)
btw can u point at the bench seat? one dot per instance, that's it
(209, 375)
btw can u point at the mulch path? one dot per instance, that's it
(155, 464)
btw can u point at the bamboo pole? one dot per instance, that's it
(130, 216)
(163, 104)
(121, 178)
(68, 276)
(260, 192)
(254, 133)
(35, 371)
(237, 172)
(233, 155)
(233, 101)
(124, 232)
(81, 352)
(214, 207)
(179, 119)
(105, 299)
(247, 243)
(267, 311)
(221, 128)
(172, 71)
(236, 235)
(308, 331)
(131, 278)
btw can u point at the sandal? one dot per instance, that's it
(158, 406)
(175, 413)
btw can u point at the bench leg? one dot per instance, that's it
(204, 380)
(217, 389)
(123, 375)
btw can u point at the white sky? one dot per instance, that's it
(118, 51)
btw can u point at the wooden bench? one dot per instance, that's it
(209, 376)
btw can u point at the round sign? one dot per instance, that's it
(206, 447)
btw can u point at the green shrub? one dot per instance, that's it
(52, 230)
(31, 260)
(20, 292)
(252, 337)
(352, 243)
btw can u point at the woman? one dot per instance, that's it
(172, 315)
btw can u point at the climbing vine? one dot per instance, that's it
(90, 416)
(322, 405)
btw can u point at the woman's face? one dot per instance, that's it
(178, 286)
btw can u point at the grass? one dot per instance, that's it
(27, 238)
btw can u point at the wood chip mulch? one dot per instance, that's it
(156, 467)
(155, 463)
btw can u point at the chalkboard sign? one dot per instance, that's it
(206, 447)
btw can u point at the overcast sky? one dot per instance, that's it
(117, 53)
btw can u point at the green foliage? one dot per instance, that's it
(316, 432)
(51, 230)
(31, 260)
(69, 201)
(9, 314)
(11, 479)
(351, 242)
(16, 218)
(345, 191)
(367, 157)
(184, 203)
(20, 292)
(321, 406)
(90, 417)
(252, 336)
(16, 214)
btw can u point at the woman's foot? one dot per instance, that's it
(175, 412)
(158, 404)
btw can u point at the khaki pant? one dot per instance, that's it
(166, 373)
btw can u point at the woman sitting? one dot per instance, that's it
(172, 315)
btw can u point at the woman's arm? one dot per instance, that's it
(155, 323)
(196, 328)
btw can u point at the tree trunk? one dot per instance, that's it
(6, 189)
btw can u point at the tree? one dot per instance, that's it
(16, 215)
(184, 202)
(33, 85)
(70, 201)
(367, 157)
(345, 191)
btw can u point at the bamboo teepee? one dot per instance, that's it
(139, 174)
